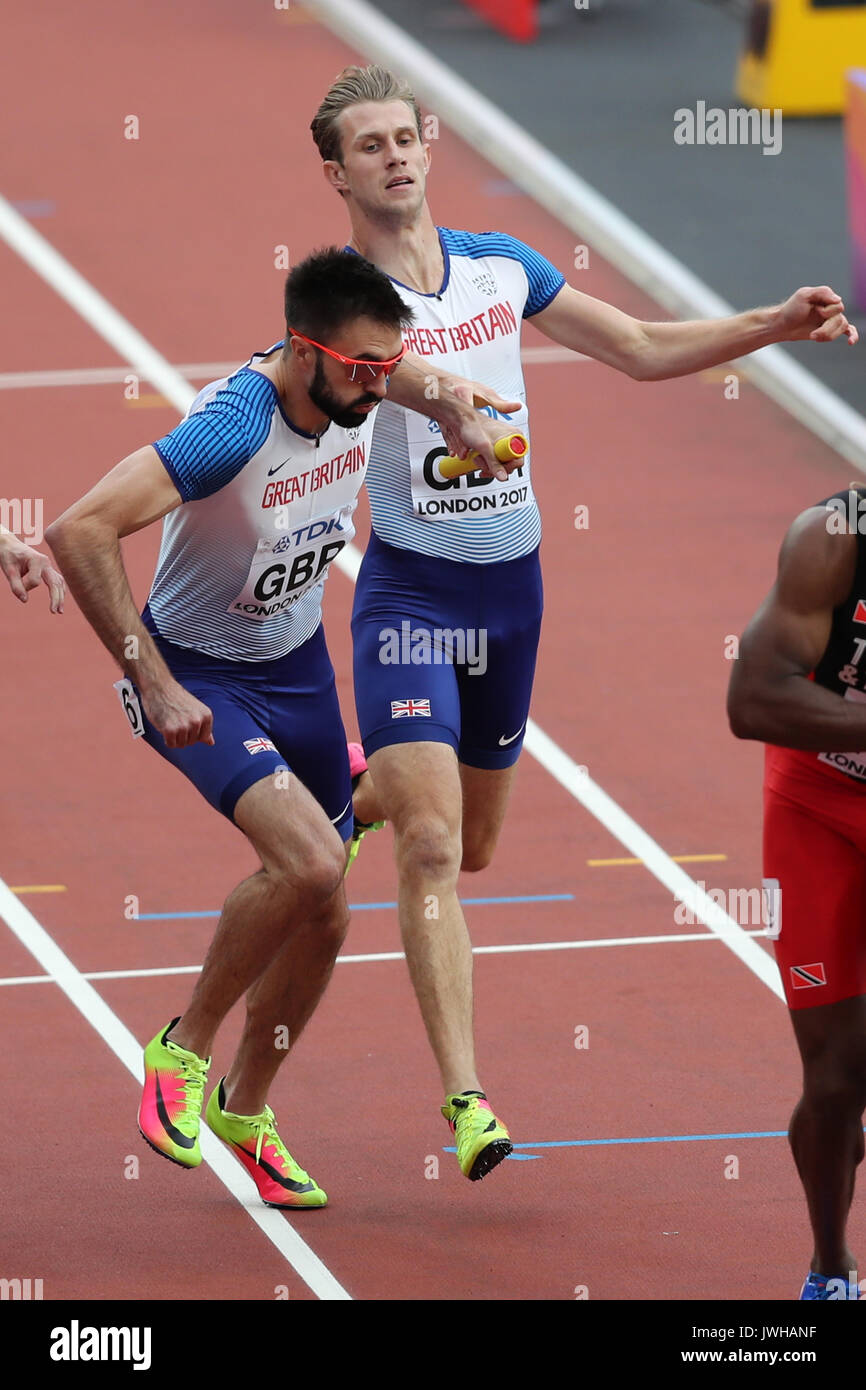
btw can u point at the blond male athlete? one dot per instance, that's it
(461, 557)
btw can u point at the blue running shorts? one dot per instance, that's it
(445, 652)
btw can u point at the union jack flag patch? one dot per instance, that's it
(259, 745)
(808, 976)
(401, 708)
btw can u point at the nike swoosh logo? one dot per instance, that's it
(272, 471)
(334, 819)
(277, 1176)
(503, 742)
(182, 1140)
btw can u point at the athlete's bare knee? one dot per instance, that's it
(324, 873)
(427, 849)
(312, 873)
(477, 855)
(835, 1082)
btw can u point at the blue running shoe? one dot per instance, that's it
(826, 1287)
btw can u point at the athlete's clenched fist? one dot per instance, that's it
(180, 717)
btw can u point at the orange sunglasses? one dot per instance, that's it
(358, 365)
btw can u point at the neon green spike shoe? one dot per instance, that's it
(357, 836)
(280, 1180)
(170, 1112)
(482, 1140)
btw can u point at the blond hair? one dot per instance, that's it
(354, 85)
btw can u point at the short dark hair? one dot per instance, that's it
(333, 286)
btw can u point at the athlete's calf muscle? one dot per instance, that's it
(485, 801)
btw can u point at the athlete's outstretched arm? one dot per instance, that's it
(86, 543)
(770, 696)
(657, 351)
(450, 401)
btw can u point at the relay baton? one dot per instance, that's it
(509, 447)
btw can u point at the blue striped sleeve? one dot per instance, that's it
(544, 280)
(210, 447)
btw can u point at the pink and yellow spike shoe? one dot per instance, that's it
(170, 1112)
(357, 768)
(280, 1180)
(357, 761)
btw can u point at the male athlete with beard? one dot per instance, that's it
(229, 677)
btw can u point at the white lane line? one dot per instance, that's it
(67, 376)
(575, 203)
(539, 356)
(642, 846)
(129, 344)
(127, 1048)
(394, 955)
(65, 280)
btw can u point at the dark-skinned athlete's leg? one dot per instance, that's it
(826, 1131)
(815, 865)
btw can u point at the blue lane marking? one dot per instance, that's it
(371, 907)
(171, 916)
(476, 902)
(656, 1139)
(35, 207)
(642, 1139)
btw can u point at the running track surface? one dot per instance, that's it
(688, 495)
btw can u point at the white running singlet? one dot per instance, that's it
(266, 508)
(470, 327)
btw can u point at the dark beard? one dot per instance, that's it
(341, 415)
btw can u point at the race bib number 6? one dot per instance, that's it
(131, 706)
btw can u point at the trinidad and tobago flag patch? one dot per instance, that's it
(807, 976)
(860, 611)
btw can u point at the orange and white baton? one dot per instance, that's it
(506, 449)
